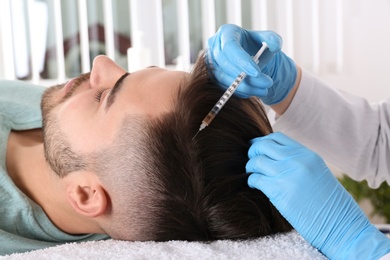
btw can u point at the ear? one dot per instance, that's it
(86, 195)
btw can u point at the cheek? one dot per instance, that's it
(86, 127)
(75, 119)
(74, 113)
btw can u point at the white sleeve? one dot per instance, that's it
(385, 257)
(345, 130)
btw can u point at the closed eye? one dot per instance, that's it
(99, 93)
(115, 90)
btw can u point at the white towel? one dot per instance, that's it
(282, 246)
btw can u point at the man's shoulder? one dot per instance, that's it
(20, 90)
(20, 104)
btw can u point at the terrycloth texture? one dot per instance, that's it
(284, 246)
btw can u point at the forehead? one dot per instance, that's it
(152, 91)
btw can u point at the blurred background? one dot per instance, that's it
(344, 42)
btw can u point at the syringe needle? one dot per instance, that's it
(196, 134)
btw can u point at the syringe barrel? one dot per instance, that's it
(229, 92)
(210, 116)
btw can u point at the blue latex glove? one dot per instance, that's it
(303, 189)
(229, 53)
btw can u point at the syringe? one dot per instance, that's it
(228, 93)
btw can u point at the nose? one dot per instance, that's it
(105, 72)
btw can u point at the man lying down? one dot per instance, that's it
(113, 155)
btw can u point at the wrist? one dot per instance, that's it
(282, 106)
(369, 243)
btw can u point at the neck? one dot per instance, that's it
(27, 167)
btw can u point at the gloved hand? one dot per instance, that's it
(303, 189)
(229, 53)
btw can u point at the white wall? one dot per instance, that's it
(366, 51)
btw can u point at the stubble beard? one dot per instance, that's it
(57, 150)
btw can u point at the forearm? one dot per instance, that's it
(345, 130)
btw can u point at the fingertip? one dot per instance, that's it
(252, 141)
(259, 145)
(249, 166)
(253, 180)
(258, 86)
(253, 70)
(282, 139)
(266, 80)
(250, 67)
(274, 41)
(255, 148)
(249, 90)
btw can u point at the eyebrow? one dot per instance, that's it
(115, 90)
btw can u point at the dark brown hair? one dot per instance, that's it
(200, 185)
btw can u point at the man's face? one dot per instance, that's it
(85, 114)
